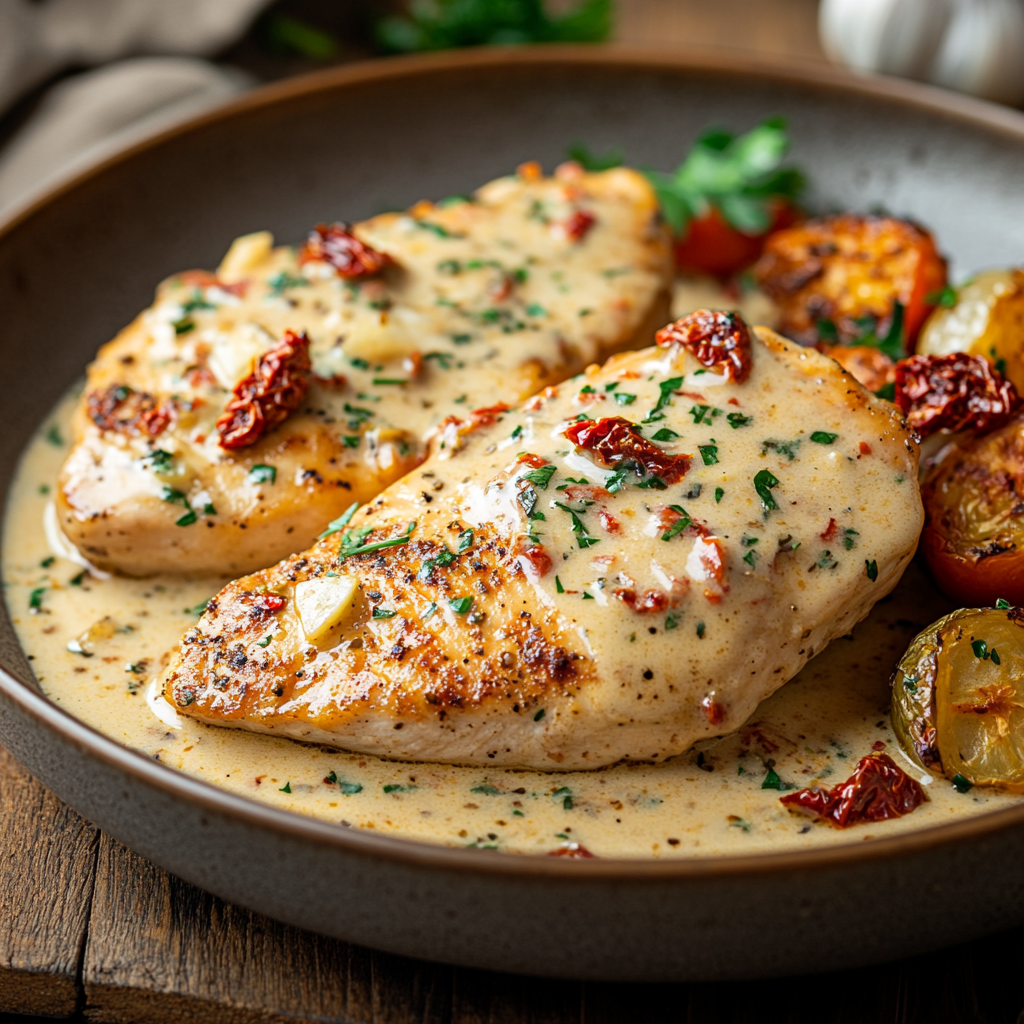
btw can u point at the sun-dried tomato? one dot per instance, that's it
(706, 564)
(877, 790)
(269, 395)
(618, 442)
(265, 602)
(577, 226)
(486, 417)
(718, 340)
(335, 244)
(649, 601)
(535, 561)
(124, 410)
(953, 392)
(572, 850)
(713, 711)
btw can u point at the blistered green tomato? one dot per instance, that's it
(958, 697)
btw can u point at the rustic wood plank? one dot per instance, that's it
(48, 855)
(785, 29)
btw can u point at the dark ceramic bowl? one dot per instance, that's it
(79, 264)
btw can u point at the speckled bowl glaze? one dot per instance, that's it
(77, 265)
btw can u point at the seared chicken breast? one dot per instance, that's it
(613, 570)
(245, 409)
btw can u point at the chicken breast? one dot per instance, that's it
(245, 409)
(620, 567)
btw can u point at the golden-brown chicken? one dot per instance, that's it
(245, 409)
(619, 567)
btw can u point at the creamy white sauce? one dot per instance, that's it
(707, 802)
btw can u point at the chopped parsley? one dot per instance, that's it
(53, 435)
(559, 589)
(583, 538)
(787, 448)
(1002, 603)
(981, 650)
(384, 613)
(460, 605)
(764, 481)
(159, 461)
(823, 437)
(850, 538)
(286, 788)
(826, 561)
(962, 785)
(679, 525)
(541, 476)
(709, 453)
(341, 522)
(282, 281)
(703, 413)
(35, 599)
(700, 630)
(262, 474)
(666, 388)
(720, 494)
(465, 541)
(485, 790)
(671, 621)
(772, 781)
(871, 569)
(397, 787)
(624, 399)
(737, 419)
(265, 642)
(664, 434)
(945, 297)
(198, 609)
(540, 714)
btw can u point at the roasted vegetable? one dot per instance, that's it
(727, 196)
(984, 317)
(953, 393)
(877, 790)
(958, 698)
(973, 537)
(853, 280)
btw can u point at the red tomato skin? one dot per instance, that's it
(713, 246)
(971, 582)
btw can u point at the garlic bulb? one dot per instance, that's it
(974, 46)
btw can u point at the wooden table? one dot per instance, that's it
(89, 931)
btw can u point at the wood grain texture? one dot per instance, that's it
(47, 857)
(786, 29)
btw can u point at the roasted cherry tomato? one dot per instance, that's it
(848, 278)
(711, 245)
(958, 698)
(973, 538)
(874, 369)
(986, 318)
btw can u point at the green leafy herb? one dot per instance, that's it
(892, 345)
(719, 494)
(583, 538)
(184, 325)
(540, 714)
(49, 560)
(445, 24)
(341, 522)
(764, 481)
(293, 35)
(541, 476)
(666, 388)
(286, 788)
(389, 380)
(679, 525)
(887, 391)
(261, 474)
(460, 605)
(750, 558)
(265, 642)
(671, 621)
(160, 461)
(486, 790)
(962, 785)
(772, 781)
(737, 419)
(359, 364)
(664, 435)
(622, 398)
(826, 561)
(384, 613)
(53, 435)
(700, 630)
(465, 541)
(35, 599)
(559, 589)
(871, 569)
(397, 787)
(823, 437)
(281, 281)
(850, 538)
(709, 453)
(591, 161)
(1002, 603)
(786, 448)
(198, 609)
(738, 175)
(945, 297)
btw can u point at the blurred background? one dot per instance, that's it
(80, 79)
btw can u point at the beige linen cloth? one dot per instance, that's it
(86, 117)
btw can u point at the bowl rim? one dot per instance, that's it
(413, 853)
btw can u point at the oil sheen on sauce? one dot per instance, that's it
(709, 801)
